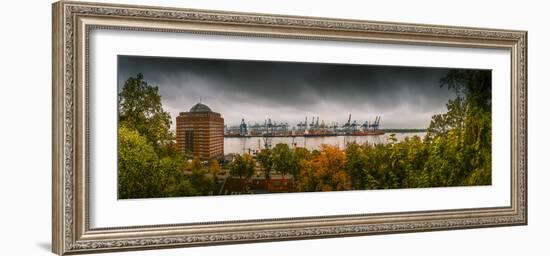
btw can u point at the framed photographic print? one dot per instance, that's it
(178, 127)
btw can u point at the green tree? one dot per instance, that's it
(137, 162)
(265, 159)
(173, 180)
(243, 166)
(454, 118)
(214, 167)
(416, 154)
(202, 182)
(169, 149)
(284, 161)
(302, 153)
(140, 109)
(196, 164)
(355, 165)
(475, 85)
(460, 149)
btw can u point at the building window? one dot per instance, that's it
(189, 141)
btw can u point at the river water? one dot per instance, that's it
(251, 144)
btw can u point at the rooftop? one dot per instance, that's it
(199, 107)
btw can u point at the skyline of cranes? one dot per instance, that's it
(316, 127)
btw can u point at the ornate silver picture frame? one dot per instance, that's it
(72, 24)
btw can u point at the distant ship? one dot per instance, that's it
(366, 133)
(320, 134)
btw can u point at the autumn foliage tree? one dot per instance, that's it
(324, 172)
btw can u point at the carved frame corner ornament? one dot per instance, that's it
(72, 22)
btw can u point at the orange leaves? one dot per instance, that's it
(324, 171)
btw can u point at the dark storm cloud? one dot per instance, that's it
(405, 97)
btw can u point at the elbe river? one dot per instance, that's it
(241, 145)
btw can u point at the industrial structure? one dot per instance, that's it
(268, 128)
(314, 128)
(200, 132)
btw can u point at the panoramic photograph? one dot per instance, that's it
(215, 127)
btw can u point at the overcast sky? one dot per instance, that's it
(404, 97)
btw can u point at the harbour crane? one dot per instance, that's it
(269, 126)
(374, 125)
(365, 125)
(243, 129)
(349, 121)
(354, 126)
(347, 125)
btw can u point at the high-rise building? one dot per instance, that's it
(199, 132)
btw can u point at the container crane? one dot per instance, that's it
(243, 129)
